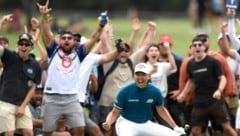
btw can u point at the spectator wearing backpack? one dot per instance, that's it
(119, 72)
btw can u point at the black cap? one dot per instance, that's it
(27, 37)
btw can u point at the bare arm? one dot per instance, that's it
(162, 111)
(35, 34)
(93, 38)
(47, 34)
(173, 66)
(222, 83)
(225, 47)
(135, 29)
(187, 88)
(21, 109)
(96, 34)
(5, 19)
(93, 83)
(111, 55)
(150, 32)
(105, 43)
(111, 118)
(107, 57)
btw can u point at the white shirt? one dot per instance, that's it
(159, 78)
(84, 73)
(62, 76)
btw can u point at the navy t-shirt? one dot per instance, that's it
(205, 76)
(17, 77)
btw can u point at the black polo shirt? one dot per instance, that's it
(17, 77)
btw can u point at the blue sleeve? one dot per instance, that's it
(81, 52)
(51, 49)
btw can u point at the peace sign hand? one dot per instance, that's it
(44, 10)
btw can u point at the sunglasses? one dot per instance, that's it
(125, 50)
(24, 43)
(66, 38)
(203, 40)
(197, 44)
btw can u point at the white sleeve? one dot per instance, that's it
(237, 55)
(232, 33)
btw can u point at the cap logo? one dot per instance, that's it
(141, 66)
(24, 36)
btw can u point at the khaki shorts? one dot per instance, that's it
(233, 104)
(9, 122)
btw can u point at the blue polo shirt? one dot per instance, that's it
(136, 104)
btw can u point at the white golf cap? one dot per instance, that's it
(142, 67)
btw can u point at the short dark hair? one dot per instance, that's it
(61, 33)
(77, 36)
(196, 39)
(120, 41)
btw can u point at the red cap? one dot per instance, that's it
(165, 38)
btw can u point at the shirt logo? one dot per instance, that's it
(149, 101)
(29, 70)
(133, 100)
(200, 70)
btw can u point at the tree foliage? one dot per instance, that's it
(112, 5)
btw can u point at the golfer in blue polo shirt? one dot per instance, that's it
(135, 103)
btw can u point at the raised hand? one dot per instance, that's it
(103, 19)
(152, 25)
(106, 126)
(136, 24)
(34, 23)
(224, 27)
(35, 28)
(6, 18)
(44, 9)
(231, 12)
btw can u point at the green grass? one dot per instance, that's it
(180, 29)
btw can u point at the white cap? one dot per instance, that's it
(142, 67)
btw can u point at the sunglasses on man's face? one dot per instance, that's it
(197, 44)
(24, 43)
(203, 40)
(125, 50)
(66, 38)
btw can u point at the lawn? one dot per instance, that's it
(180, 30)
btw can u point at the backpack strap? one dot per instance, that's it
(130, 64)
(102, 77)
